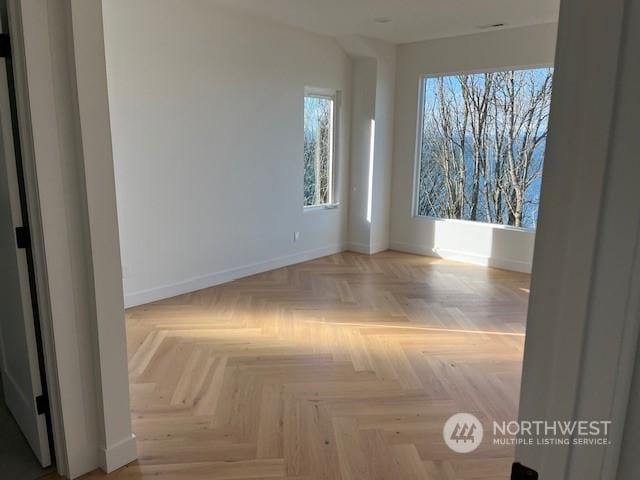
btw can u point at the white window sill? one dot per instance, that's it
(315, 208)
(496, 226)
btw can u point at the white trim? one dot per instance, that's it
(97, 179)
(474, 71)
(323, 206)
(497, 226)
(53, 126)
(336, 98)
(486, 261)
(359, 248)
(320, 92)
(417, 150)
(378, 248)
(14, 13)
(580, 343)
(119, 454)
(367, 249)
(143, 297)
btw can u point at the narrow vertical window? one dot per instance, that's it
(319, 115)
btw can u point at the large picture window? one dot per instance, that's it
(319, 113)
(481, 144)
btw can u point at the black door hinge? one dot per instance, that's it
(23, 239)
(42, 404)
(520, 472)
(5, 46)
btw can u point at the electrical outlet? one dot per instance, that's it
(296, 236)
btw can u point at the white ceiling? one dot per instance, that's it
(412, 20)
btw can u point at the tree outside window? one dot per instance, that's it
(482, 142)
(318, 150)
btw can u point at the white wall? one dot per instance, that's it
(483, 244)
(362, 114)
(372, 120)
(383, 155)
(207, 111)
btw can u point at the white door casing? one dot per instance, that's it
(19, 364)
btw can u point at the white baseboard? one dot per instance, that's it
(119, 454)
(198, 283)
(381, 247)
(366, 249)
(486, 261)
(359, 248)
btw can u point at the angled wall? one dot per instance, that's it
(371, 143)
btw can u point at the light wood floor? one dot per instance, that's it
(345, 367)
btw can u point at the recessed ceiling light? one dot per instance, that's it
(382, 20)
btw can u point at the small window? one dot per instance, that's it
(481, 145)
(319, 149)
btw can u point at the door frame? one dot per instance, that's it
(17, 167)
(583, 320)
(66, 137)
(567, 266)
(30, 212)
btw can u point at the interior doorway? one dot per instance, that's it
(26, 447)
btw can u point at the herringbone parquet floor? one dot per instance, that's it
(345, 367)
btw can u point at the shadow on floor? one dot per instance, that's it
(17, 461)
